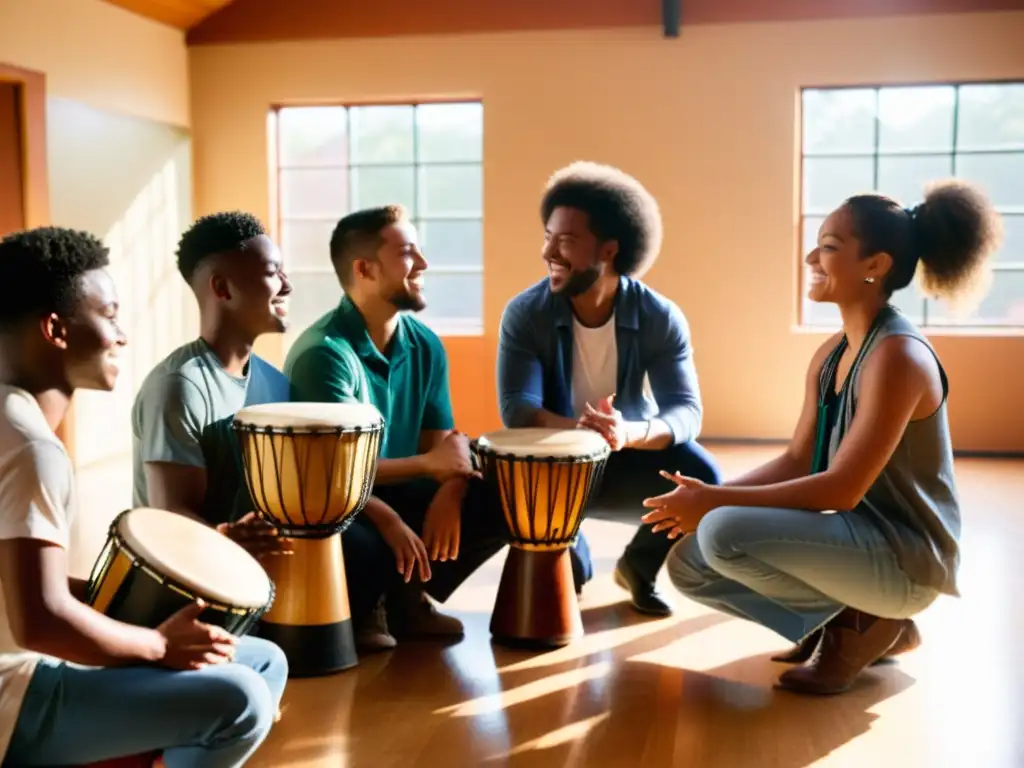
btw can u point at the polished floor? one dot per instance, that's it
(693, 690)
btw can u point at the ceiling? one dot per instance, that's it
(183, 14)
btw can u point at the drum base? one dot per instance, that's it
(536, 604)
(310, 619)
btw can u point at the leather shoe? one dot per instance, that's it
(411, 613)
(371, 633)
(909, 640)
(647, 598)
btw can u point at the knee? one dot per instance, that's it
(244, 701)
(686, 567)
(271, 664)
(722, 532)
(694, 460)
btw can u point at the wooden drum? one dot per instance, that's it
(155, 563)
(310, 468)
(543, 480)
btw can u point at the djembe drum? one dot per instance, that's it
(543, 480)
(155, 563)
(309, 468)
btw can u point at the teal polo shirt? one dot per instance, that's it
(335, 361)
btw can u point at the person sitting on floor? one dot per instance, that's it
(75, 685)
(591, 346)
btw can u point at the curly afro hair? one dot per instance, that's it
(42, 269)
(217, 233)
(946, 241)
(618, 206)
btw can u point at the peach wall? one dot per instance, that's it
(99, 54)
(707, 121)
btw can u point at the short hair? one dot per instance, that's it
(217, 233)
(618, 206)
(946, 240)
(358, 232)
(42, 269)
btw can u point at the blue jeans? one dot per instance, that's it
(792, 571)
(211, 718)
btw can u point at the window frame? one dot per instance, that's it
(444, 327)
(802, 214)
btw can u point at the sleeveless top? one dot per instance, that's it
(913, 502)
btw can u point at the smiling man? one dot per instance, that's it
(591, 346)
(185, 454)
(428, 525)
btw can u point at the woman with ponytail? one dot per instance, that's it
(854, 528)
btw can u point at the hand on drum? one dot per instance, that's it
(680, 510)
(256, 536)
(192, 644)
(450, 458)
(408, 549)
(607, 421)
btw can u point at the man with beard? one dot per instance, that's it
(590, 346)
(427, 526)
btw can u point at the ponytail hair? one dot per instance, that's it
(946, 241)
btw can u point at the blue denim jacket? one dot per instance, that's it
(535, 352)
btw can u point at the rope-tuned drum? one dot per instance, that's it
(310, 468)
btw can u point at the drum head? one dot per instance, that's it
(310, 417)
(196, 556)
(545, 443)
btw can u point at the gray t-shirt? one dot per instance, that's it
(182, 415)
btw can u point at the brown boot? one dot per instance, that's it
(411, 613)
(371, 632)
(909, 639)
(851, 642)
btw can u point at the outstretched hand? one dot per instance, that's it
(680, 510)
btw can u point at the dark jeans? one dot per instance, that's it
(370, 565)
(631, 476)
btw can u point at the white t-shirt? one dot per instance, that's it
(36, 502)
(595, 363)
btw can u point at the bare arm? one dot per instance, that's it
(795, 460)
(177, 488)
(46, 618)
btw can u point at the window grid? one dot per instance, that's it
(448, 326)
(1007, 212)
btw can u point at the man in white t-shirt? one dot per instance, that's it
(591, 346)
(76, 686)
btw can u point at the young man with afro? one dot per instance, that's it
(590, 346)
(75, 685)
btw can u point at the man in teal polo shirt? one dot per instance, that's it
(428, 525)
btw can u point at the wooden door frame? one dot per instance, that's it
(35, 179)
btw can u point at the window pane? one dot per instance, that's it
(820, 313)
(1013, 240)
(313, 192)
(451, 190)
(381, 134)
(1004, 304)
(910, 301)
(811, 225)
(456, 297)
(991, 117)
(383, 186)
(841, 120)
(452, 243)
(450, 132)
(905, 177)
(306, 244)
(999, 175)
(916, 119)
(313, 294)
(829, 181)
(313, 136)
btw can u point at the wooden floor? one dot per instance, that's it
(693, 690)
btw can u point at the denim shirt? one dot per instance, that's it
(535, 353)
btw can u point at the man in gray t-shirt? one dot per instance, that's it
(185, 455)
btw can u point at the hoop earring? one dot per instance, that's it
(869, 279)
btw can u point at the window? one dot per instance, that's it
(895, 140)
(332, 160)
